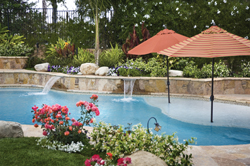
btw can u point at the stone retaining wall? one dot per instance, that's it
(143, 85)
(9, 62)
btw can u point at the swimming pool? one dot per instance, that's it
(187, 117)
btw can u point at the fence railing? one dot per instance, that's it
(40, 25)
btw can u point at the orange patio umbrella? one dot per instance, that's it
(211, 43)
(162, 40)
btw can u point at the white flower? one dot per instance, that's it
(177, 9)
(136, 25)
(247, 8)
(246, 37)
(146, 16)
(215, 3)
(195, 26)
(218, 11)
(160, 3)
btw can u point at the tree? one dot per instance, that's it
(54, 6)
(97, 8)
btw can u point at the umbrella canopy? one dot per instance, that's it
(211, 43)
(160, 41)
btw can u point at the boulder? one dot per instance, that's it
(102, 71)
(175, 73)
(10, 129)
(88, 68)
(143, 158)
(42, 67)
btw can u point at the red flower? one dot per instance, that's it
(33, 120)
(66, 133)
(110, 155)
(35, 125)
(61, 122)
(79, 131)
(94, 97)
(45, 133)
(70, 128)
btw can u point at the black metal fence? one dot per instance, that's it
(40, 25)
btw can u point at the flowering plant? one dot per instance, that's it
(97, 161)
(57, 125)
(120, 143)
(88, 110)
(67, 70)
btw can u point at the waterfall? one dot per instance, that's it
(128, 89)
(47, 87)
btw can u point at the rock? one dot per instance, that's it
(42, 67)
(102, 71)
(10, 129)
(79, 73)
(175, 73)
(88, 68)
(143, 158)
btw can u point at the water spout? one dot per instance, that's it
(47, 87)
(128, 88)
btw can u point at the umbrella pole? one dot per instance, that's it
(212, 91)
(168, 82)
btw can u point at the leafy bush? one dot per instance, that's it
(15, 50)
(66, 70)
(62, 49)
(12, 45)
(245, 66)
(111, 57)
(125, 71)
(192, 70)
(115, 140)
(84, 56)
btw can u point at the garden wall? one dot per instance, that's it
(143, 85)
(7, 62)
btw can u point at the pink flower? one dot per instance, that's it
(91, 105)
(73, 120)
(92, 120)
(94, 109)
(96, 157)
(76, 123)
(127, 160)
(34, 108)
(56, 107)
(120, 161)
(87, 162)
(97, 113)
(65, 109)
(45, 133)
(58, 116)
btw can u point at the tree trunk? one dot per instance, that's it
(97, 44)
(54, 12)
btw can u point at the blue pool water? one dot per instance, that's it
(180, 116)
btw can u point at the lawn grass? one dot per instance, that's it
(25, 152)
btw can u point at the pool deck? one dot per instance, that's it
(232, 155)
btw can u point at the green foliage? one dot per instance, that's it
(192, 70)
(15, 50)
(25, 152)
(116, 140)
(245, 66)
(12, 45)
(84, 56)
(111, 57)
(129, 72)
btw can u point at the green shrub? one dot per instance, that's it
(15, 50)
(129, 72)
(192, 70)
(245, 66)
(115, 140)
(111, 57)
(84, 56)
